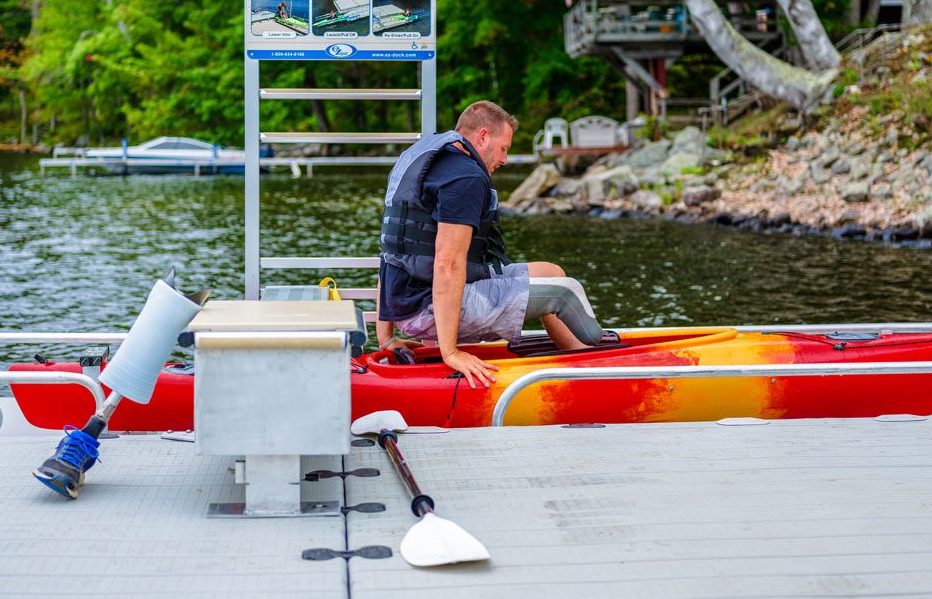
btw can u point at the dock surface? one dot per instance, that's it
(793, 508)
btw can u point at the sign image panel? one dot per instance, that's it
(409, 19)
(340, 29)
(277, 19)
(340, 18)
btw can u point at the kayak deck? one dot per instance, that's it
(793, 508)
(428, 393)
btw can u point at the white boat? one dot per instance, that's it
(170, 154)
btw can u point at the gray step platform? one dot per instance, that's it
(804, 508)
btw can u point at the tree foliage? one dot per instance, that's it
(99, 70)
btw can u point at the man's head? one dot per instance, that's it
(488, 128)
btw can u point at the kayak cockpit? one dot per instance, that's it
(539, 347)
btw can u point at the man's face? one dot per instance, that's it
(493, 146)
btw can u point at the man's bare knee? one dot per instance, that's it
(545, 269)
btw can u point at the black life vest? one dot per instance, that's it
(409, 232)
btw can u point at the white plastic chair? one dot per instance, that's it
(554, 128)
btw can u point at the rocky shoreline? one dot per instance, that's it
(833, 182)
(861, 170)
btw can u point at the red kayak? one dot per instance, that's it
(427, 392)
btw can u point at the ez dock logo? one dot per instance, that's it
(340, 50)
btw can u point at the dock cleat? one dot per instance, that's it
(64, 471)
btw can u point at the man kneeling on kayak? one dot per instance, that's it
(444, 274)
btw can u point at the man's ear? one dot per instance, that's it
(482, 136)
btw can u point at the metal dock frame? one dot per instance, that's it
(254, 94)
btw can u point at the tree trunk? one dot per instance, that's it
(798, 87)
(872, 12)
(818, 50)
(22, 116)
(320, 113)
(917, 12)
(854, 13)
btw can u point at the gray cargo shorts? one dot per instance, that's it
(492, 309)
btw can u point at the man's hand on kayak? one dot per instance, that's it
(470, 366)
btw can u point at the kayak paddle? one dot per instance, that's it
(432, 541)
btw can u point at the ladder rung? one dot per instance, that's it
(339, 94)
(339, 138)
(319, 262)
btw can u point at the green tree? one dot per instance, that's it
(15, 21)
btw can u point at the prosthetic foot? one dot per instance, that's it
(64, 471)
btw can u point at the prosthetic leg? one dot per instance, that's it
(132, 373)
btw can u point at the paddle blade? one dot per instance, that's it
(378, 421)
(436, 542)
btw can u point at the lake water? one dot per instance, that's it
(80, 255)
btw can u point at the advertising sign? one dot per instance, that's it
(341, 29)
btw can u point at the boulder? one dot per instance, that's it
(539, 182)
(675, 164)
(791, 186)
(927, 165)
(922, 220)
(566, 187)
(646, 201)
(859, 169)
(849, 217)
(829, 156)
(856, 191)
(562, 207)
(689, 140)
(693, 196)
(649, 154)
(892, 137)
(819, 175)
(841, 166)
(615, 182)
(884, 191)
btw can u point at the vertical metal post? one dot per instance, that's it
(429, 95)
(251, 173)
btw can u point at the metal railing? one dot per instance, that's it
(681, 372)
(723, 110)
(9, 337)
(859, 38)
(57, 378)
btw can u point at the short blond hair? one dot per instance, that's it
(485, 114)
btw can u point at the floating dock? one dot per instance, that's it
(789, 508)
(209, 167)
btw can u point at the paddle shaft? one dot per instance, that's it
(420, 503)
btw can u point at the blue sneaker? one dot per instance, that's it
(64, 471)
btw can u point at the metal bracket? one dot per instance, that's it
(368, 552)
(238, 510)
(317, 475)
(91, 362)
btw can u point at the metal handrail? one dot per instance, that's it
(57, 378)
(891, 327)
(857, 37)
(680, 372)
(76, 338)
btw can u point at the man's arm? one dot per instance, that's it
(451, 247)
(384, 329)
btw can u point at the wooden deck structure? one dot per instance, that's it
(642, 38)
